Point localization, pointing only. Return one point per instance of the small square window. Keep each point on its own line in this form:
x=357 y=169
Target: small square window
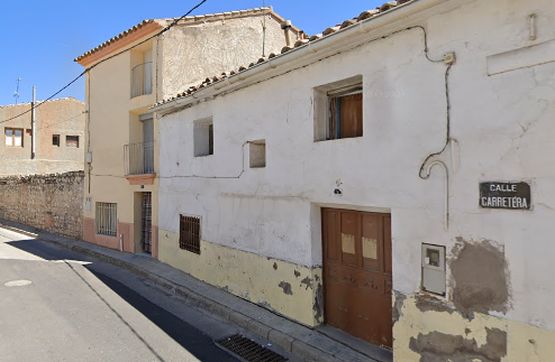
x=204 y=137
x=189 y=233
x=338 y=110
x=72 y=141
x=56 y=140
x=257 y=154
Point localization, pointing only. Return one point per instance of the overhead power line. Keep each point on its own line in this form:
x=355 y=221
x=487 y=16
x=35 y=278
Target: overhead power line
x=165 y=29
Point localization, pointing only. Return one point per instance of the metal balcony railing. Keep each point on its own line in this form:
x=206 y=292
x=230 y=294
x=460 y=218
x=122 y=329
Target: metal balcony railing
x=141 y=79
x=139 y=158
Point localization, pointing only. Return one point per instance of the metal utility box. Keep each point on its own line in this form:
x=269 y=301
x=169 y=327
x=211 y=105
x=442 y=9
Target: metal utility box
x=433 y=268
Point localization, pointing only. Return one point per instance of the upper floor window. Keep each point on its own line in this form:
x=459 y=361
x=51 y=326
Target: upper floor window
x=339 y=110
x=14 y=137
x=72 y=141
x=56 y=140
x=141 y=73
x=204 y=137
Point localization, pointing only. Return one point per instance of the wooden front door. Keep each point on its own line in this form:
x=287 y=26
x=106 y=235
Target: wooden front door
x=357 y=273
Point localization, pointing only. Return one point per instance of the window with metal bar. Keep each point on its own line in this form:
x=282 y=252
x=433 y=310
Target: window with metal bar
x=189 y=233
x=106 y=218
x=345 y=120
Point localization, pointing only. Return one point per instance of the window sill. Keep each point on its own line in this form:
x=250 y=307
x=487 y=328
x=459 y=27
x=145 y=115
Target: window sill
x=339 y=139
x=140 y=95
x=107 y=236
x=145 y=179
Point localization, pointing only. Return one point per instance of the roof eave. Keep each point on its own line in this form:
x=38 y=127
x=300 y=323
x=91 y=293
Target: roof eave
x=342 y=39
x=121 y=41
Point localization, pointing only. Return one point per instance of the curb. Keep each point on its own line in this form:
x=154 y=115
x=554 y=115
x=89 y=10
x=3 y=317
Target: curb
x=290 y=344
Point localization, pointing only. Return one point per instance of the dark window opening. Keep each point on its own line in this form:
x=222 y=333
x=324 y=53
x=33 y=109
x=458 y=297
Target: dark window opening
x=56 y=140
x=72 y=141
x=345 y=114
x=189 y=233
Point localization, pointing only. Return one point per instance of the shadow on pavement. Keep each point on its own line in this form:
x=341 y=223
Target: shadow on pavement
x=189 y=337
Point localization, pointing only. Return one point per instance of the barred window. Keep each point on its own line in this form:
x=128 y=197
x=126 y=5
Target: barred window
x=106 y=218
x=189 y=233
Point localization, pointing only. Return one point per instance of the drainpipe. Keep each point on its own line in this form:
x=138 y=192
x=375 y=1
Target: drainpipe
x=286 y=27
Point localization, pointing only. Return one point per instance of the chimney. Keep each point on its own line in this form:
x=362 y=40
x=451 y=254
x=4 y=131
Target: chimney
x=286 y=27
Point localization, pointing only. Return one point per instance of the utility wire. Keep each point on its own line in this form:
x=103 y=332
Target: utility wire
x=173 y=23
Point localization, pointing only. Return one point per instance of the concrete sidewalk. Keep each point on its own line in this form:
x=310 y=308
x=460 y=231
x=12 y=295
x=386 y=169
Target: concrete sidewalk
x=302 y=342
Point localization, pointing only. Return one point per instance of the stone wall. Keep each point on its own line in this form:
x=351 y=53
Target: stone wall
x=49 y=202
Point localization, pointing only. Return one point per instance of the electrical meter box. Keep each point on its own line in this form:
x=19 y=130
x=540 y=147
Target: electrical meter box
x=433 y=268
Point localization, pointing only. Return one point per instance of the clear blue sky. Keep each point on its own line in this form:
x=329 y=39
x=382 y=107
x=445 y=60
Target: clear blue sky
x=40 y=38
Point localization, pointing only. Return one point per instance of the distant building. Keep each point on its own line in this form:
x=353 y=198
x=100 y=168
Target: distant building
x=129 y=74
x=391 y=177
x=60 y=143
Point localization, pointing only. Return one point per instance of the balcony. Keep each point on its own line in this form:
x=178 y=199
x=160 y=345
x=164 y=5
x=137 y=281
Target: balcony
x=139 y=163
x=141 y=79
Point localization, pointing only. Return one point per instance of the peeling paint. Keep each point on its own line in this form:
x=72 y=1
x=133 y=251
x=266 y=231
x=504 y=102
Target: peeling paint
x=479 y=278
x=318 y=306
x=307 y=282
x=427 y=303
x=286 y=287
x=437 y=346
x=397 y=307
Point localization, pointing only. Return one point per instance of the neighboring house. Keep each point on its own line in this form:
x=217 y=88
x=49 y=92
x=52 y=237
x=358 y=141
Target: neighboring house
x=127 y=75
x=60 y=127
x=391 y=177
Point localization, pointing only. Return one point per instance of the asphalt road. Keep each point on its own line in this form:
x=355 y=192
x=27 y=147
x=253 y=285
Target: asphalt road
x=56 y=305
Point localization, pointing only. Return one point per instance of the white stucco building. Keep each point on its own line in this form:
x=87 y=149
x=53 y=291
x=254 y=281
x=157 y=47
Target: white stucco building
x=391 y=177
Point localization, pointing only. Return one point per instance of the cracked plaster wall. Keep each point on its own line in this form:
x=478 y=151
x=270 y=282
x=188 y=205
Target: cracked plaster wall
x=191 y=53
x=504 y=129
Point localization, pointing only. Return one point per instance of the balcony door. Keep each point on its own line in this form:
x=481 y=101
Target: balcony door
x=148 y=142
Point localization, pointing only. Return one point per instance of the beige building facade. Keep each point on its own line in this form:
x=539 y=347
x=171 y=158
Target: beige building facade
x=126 y=76
x=60 y=129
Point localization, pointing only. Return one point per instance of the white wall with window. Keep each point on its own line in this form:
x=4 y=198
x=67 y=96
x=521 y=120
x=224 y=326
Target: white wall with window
x=501 y=125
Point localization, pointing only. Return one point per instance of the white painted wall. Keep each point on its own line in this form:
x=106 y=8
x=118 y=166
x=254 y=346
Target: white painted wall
x=503 y=125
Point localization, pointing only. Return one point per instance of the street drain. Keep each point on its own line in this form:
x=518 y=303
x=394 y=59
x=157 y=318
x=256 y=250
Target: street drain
x=17 y=283
x=248 y=350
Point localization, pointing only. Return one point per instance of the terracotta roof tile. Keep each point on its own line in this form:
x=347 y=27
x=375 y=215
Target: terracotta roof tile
x=304 y=41
x=115 y=38
x=188 y=19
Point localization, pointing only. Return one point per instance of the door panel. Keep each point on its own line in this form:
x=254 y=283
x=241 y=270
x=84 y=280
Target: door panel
x=357 y=285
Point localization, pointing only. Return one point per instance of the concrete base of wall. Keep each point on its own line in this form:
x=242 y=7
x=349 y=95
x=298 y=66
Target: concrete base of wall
x=294 y=291
x=124 y=241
